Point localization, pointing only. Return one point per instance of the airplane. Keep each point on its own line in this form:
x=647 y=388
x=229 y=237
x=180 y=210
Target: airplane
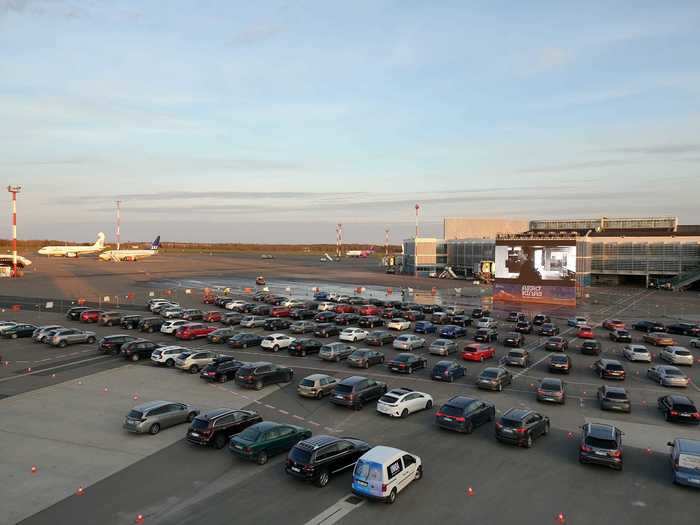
x=130 y=255
x=74 y=251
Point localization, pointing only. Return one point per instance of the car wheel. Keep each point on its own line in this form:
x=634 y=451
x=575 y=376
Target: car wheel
x=170 y=363
x=404 y=413
x=429 y=405
x=366 y=364
x=155 y=428
x=258 y=385
x=666 y=416
x=303 y=353
x=62 y=344
x=528 y=443
x=337 y=359
x=135 y=357
x=323 y=478
x=319 y=394
x=451 y=379
x=419 y=473
x=392 y=497
x=276 y=348
x=410 y=370
x=500 y=387
x=221 y=378
x=150 y=330
x=469 y=427
x=481 y=359
x=14 y=336
x=220 y=441
x=546 y=429
x=194 y=369
x=262 y=458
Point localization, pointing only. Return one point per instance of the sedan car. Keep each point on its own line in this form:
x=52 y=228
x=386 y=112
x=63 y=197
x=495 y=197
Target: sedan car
x=442 y=347
x=552 y=390
x=601 y=444
x=676 y=355
x=244 y=340
x=636 y=353
x=364 y=358
x=447 y=371
x=464 y=414
x=614 y=398
x=560 y=363
x=690 y=329
x=658 y=339
x=478 y=352
x=379 y=338
x=346 y=319
x=316 y=386
x=494 y=378
x=557 y=344
x=452 y=331
x=548 y=329
x=370 y=321
x=609 y=369
x=408 y=342
x=680 y=409
x=521 y=426
x=261 y=441
x=518 y=357
x=485 y=335
x=513 y=339
x=667 y=375
x=591 y=347
x=336 y=351
x=302 y=347
x=400 y=402
x=576 y=321
x=399 y=324
x=407 y=363
x=325 y=316
x=153 y=416
x=424 y=327
x=353 y=334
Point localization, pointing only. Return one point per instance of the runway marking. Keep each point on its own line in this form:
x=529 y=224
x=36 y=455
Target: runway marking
x=33 y=372
x=336 y=512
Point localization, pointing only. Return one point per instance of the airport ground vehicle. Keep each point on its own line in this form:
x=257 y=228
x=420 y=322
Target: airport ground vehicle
x=601 y=444
x=316 y=385
x=261 y=374
x=265 y=439
x=521 y=426
x=609 y=369
x=112 y=344
x=408 y=342
x=679 y=409
x=614 y=398
x=552 y=390
x=216 y=427
x=478 y=352
x=276 y=342
x=400 y=402
x=71 y=336
x=194 y=361
x=364 y=358
x=494 y=378
x=464 y=414
x=442 y=347
x=685 y=462
x=676 y=355
x=139 y=349
x=560 y=363
x=667 y=375
x=406 y=363
x=222 y=369
x=355 y=391
x=318 y=458
x=447 y=371
x=383 y=472
x=154 y=416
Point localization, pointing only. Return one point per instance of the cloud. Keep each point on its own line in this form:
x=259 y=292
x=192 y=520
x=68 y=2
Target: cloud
x=255 y=34
x=661 y=149
x=573 y=166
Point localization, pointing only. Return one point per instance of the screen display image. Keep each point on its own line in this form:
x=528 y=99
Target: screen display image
x=531 y=264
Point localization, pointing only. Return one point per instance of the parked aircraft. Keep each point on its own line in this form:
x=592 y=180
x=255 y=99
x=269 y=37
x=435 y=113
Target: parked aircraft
x=75 y=251
x=130 y=255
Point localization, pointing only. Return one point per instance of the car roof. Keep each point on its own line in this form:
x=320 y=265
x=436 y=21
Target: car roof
x=400 y=391
x=616 y=389
x=607 y=361
x=517 y=414
x=317 y=376
x=680 y=399
x=551 y=381
x=216 y=412
x=256 y=364
x=316 y=442
x=445 y=363
x=382 y=454
x=460 y=401
x=151 y=404
x=352 y=380
x=688 y=445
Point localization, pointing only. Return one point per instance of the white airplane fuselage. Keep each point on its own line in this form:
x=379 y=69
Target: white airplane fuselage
x=126 y=255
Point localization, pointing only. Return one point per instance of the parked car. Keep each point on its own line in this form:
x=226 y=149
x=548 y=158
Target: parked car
x=326 y=330
x=346 y=319
x=424 y=327
x=253 y=321
x=190 y=331
x=216 y=427
x=392 y=313
x=486 y=335
x=244 y=340
x=447 y=371
x=513 y=317
x=442 y=347
x=317 y=458
x=478 y=313
x=552 y=390
x=494 y=378
x=440 y=318
x=90 y=316
x=560 y=363
x=355 y=391
x=379 y=338
x=262 y=440
x=400 y=402
x=478 y=352
x=541 y=319
x=353 y=334
x=689 y=329
x=591 y=347
x=213 y=316
x=336 y=351
x=369 y=310
x=487 y=322
x=222 y=369
x=521 y=426
x=523 y=327
x=112 y=344
x=408 y=342
x=513 y=339
x=302 y=347
x=261 y=374
x=130 y=322
x=585 y=332
x=577 y=321
x=276 y=323
x=193 y=314
x=221 y=335
x=110 y=318
x=325 y=317
x=464 y=414
x=166 y=355
x=685 y=461
x=316 y=385
x=676 y=355
x=667 y=375
x=154 y=416
x=461 y=320
x=43 y=334
x=636 y=353
x=370 y=321
x=276 y=342
x=613 y=324
x=383 y=472
x=364 y=358
x=71 y=336
x=171 y=312
x=150 y=324
x=601 y=444
x=406 y=363
x=557 y=344
x=609 y=369
x=695 y=343
x=194 y=361
x=548 y=329
x=614 y=398
x=518 y=357
x=399 y=324
x=658 y=339
x=452 y=331
x=649 y=326
x=19 y=330
x=620 y=335
x=680 y=409
x=74 y=312
x=170 y=327
x=302 y=314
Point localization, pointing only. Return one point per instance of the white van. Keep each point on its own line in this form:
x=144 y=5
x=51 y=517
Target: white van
x=383 y=472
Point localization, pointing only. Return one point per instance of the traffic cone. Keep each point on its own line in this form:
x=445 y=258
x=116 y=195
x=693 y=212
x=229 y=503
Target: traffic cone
x=80 y=491
x=34 y=469
x=561 y=518
x=139 y=518
x=470 y=491
x=135 y=397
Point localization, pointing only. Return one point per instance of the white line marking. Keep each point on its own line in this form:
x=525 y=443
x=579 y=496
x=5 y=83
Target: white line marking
x=270 y=406
x=335 y=512
x=314 y=423
x=283 y=412
x=2 y=380
x=297 y=417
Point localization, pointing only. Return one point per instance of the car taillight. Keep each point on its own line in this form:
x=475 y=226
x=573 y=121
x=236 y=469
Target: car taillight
x=307 y=468
x=521 y=430
x=384 y=487
x=440 y=414
x=696 y=415
x=586 y=448
x=615 y=453
x=674 y=412
x=460 y=419
x=447 y=373
x=402 y=366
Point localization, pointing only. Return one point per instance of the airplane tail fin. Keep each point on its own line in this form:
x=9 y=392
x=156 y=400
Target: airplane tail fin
x=100 y=242
x=156 y=243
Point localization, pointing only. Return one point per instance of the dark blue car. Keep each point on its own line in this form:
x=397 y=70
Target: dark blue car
x=321 y=296
x=452 y=331
x=424 y=327
x=447 y=371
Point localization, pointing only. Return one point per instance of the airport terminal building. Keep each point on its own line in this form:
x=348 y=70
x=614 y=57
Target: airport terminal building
x=644 y=250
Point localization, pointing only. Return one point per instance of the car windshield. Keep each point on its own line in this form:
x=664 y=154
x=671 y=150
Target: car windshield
x=389 y=399
x=452 y=410
x=616 y=395
x=608 y=444
x=682 y=407
x=623 y=332
x=250 y=434
x=200 y=424
x=135 y=414
x=244 y=371
x=440 y=342
x=343 y=389
x=359 y=353
x=402 y=358
x=682 y=352
x=471 y=348
x=489 y=374
x=299 y=455
x=510 y=423
x=515 y=354
x=551 y=386
x=307 y=382
x=672 y=372
x=559 y=359
x=641 y=350
x=615 y=367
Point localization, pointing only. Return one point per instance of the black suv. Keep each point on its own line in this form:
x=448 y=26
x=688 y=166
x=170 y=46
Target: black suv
x=679 y=408
x=524 y=327
x=216 y=427
x=130 y=322
x=464 y=414
x=74 y=313
x=244 y=340
x=317 y=458
x=151 y=324
x=301 y=347
x=649 y=326
x=514 y=339
x=521 y=426
x=302 y=314
x=407 y=363
x=355 y=391
x=257 y=375
x=326 y=330
x=222 y=369
x=276 y=323
x=112 y=344
x=601 y=444
x=346 y=319
x=139 y=349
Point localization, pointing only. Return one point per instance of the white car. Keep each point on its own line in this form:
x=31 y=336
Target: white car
x=233 y=305
x=399 y=324
x=383 y=472
x=167 y=355
x=293 y=303
x=162 y=305
x=695 y=343
x=6 y=325
x=577 y=321
x=401 y=402
x=276 y=342
x=487 y=322
x=676 y=355
x=326 y=306
x=636 y=353
x=408 y=342
x=170 y=327
x=353 y=334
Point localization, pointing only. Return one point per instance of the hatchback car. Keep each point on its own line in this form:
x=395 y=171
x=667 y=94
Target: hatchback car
x=355 y=391
x=620 y=336
x=680 y=409
x=585 y=332
x=221 y=335
x=364 y=358
x=399 y=324
x=316 y=386
x=494 y=378
x=407 y=363
x=424 y=327
x=518 y=357
x=166 y=355
x=614 y=398
x=400 y=402
x=636 y=353
x=548 y=329
x=464 y=414
x=513 y=339
x=447 y=371
x=676 y=355
x=262 y=440
x=408 y=342
x=658 y=339
x=552 y=390
x=613 y=324
x=154 y=416
x=486 y=335
x=557 y=344
x=192 y=331
x=521 y=426
x=452 y=331
x=170 y=327
x=379 y=338
x=216 y=427
x=442 y=347
x=667 y=375
x=478 y=352
x=276 y=342
x=601 y=444
x=591 y=347
x=318 y=458
x=560 y=363
x=609 y=369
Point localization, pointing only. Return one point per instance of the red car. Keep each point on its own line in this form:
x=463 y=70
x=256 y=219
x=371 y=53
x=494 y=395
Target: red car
x=613 y=324
x=193 y=331
x=585 y=332
x=90 y=316
x=369 y=309
x=392 y=313
x=280 y=311
x=209 y=299
x=343 y=309
x=478 y=352
x=213 y=317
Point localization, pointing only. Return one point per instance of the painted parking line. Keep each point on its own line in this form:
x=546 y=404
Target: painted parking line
x=337 y=511
x=57 y=367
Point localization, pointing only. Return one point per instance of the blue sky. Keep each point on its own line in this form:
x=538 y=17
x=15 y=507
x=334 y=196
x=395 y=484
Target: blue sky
x=230 y=121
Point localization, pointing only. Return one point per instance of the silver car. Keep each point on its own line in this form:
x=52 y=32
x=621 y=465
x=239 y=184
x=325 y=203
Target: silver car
x=335 y=351
x=636 y=353
x=408 y=342
x=153 y=416
x=302 y=327
x=442 y=347
x=253 y=321
x=487 y=322
x=667 y=375
x=516 y=357
x=172 y=313
x=677 y=355
x=71 y=336
x=43 y=333
x=194 y=361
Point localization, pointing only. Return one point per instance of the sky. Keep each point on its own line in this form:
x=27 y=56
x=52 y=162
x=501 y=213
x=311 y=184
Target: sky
x=274 y=121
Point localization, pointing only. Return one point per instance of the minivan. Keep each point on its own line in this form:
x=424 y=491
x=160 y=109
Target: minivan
x=685 y=461
x=383 y=472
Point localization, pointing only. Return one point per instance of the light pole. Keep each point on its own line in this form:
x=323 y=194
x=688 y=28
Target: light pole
x=119 y=222
x=14 y=190
x=417 y=209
